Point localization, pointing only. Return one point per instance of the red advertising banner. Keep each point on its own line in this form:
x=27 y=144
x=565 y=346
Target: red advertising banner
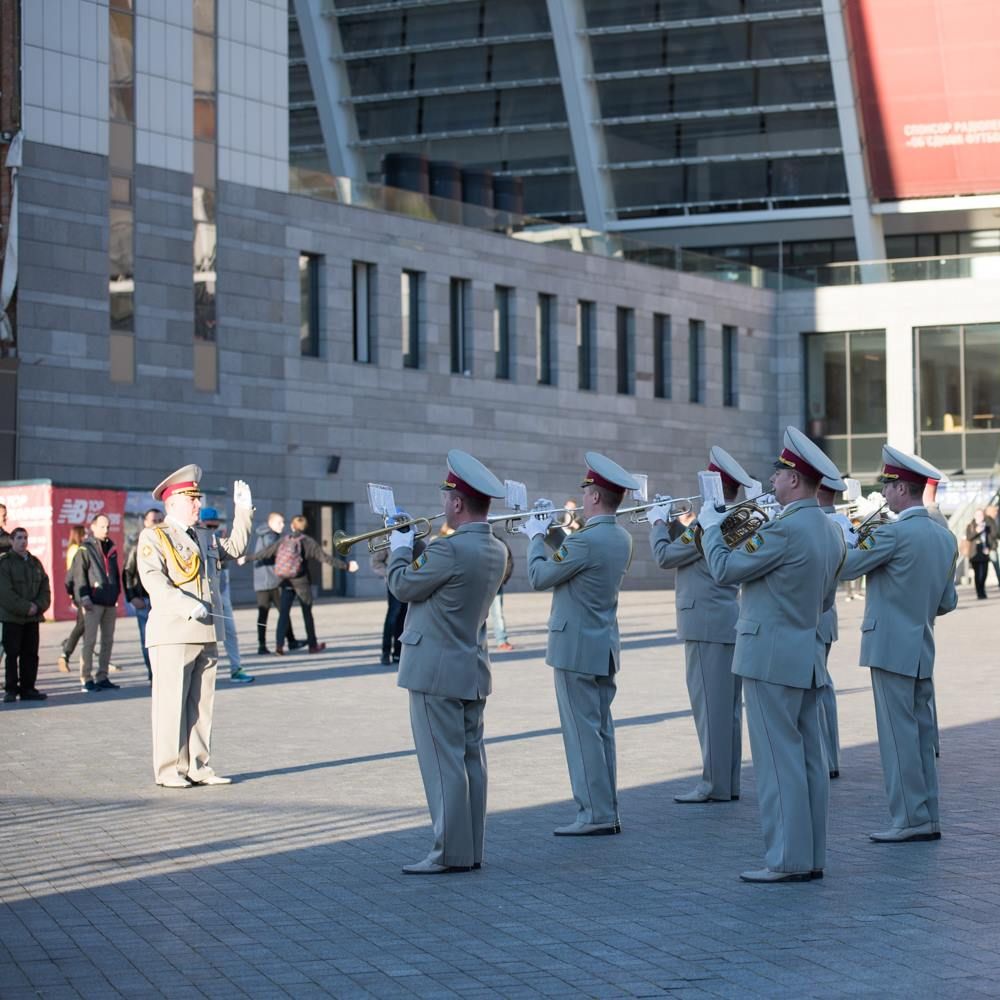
x=48 y=512
x=929 y=91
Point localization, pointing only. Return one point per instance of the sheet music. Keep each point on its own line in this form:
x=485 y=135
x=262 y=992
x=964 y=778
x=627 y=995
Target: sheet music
x=381 y=499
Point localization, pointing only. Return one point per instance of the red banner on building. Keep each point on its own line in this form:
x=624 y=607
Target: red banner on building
x=48 y=512
x=929 y=90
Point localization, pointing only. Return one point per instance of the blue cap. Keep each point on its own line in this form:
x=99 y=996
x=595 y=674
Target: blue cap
x=209 y=514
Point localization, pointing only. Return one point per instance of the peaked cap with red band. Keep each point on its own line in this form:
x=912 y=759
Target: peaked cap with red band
x=601 y=471
x=186 y=480
x=733 y=474
x=467 y=475
x=802 y=455
x=899 y=466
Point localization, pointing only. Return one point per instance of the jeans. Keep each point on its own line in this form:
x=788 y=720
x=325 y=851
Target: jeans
x=230 y=640
x=497 y=622
x=392 y=627
x=290 y=590
x=142 y=616
x=20 y=644
x=266 y=599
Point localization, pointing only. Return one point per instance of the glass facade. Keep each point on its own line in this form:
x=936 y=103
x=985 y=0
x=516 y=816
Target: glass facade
x=958 y=396
x=722 y=105
x=846 y=397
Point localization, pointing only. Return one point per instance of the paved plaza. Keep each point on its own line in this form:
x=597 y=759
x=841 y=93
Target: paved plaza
x=288 y=882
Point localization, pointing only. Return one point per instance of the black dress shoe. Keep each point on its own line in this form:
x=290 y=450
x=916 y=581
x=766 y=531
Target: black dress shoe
x=33 y=695
x=107 y=685
x=263 y=651
x=385 y=661
x=815 y=874
x=477 y=865
x=9 y=697
x=834 y=774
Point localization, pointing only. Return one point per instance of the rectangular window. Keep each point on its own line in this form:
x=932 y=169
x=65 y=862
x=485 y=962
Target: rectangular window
x=364 y=311
x=411 y=291
x=461 y=333
x=845 y=397
x=309 y=272
x=503 y=305
x=625 y=340
x=544 y=328
x=586 y=337
x=958 y=396
x=662 y=356
x=696 y=361
x=729 y=377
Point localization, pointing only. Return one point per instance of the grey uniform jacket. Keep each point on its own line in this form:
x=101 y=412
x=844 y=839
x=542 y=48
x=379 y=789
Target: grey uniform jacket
x=910 y=564
x=179 y=575
x=789 y=576
x=587 y=571
x=828 y=632
x=449 y=588
x=706 y=610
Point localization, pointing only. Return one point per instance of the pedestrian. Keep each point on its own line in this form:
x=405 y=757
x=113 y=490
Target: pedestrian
x=97 y=584
x=77 y=533
x=395 y=612
x=788 y=571
x=135 y=592
x=497 y=621
x=25 y=596
x=909 y=563
x=584 y=649
x=707 y=613
x=185 y=626
x=213 y=536
x=446 y=664
x=981 y=534
x=291 y=566
x=267 y=585
x=6 y=543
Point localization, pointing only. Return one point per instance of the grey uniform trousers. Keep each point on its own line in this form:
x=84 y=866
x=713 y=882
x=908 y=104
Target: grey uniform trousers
x=183 y=704
x=793 y=784
x=448 y=736
x=906 y=744
x=828 y=721
x=589 y=740
x=716 y=695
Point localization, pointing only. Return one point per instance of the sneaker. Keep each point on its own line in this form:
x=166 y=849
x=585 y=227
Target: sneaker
x=107 y=685
x=505 y=647
x=240 y=677
x=63 y=663
x=114 y=668
x=88 y=686
x=9 y=697
x=318 y=648
x=296 y=643
x=263 y=651
x=33 y=695
x=395 y=659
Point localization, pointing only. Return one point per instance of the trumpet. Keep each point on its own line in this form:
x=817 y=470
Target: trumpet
x=512 y=520
x=871 y=522
x=743 y=520
x=639 y=514
x=378 y=538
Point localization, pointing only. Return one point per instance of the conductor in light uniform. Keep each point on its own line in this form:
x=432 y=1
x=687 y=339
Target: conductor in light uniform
x=910 y=565
x=586 y=572
x=179 y=567
x=445 y=663
x=706 y=620
x=788 y=570
x=826 y=496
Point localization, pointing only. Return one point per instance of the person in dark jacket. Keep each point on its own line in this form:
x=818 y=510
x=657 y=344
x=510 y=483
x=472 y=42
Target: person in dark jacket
x=25 y=595
x=266 y=584
x=299 y=586
x=97 y=585
x=135 y=592
x=5 y=538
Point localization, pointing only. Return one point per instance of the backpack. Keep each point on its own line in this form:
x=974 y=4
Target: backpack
x=288 y=558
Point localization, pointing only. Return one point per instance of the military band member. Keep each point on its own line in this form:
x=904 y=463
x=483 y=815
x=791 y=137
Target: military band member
x=826 y=497
x=181 y=575
x=445 y=664
x=586 y=572
x=788 y=570
x=706 y=621
x=910 y=565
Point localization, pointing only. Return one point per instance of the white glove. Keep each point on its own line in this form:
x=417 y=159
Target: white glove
x=540 y=522
x=400 y=539
x=708 y=515
x=241 y=494
x=661 y=512
x=200 y=613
